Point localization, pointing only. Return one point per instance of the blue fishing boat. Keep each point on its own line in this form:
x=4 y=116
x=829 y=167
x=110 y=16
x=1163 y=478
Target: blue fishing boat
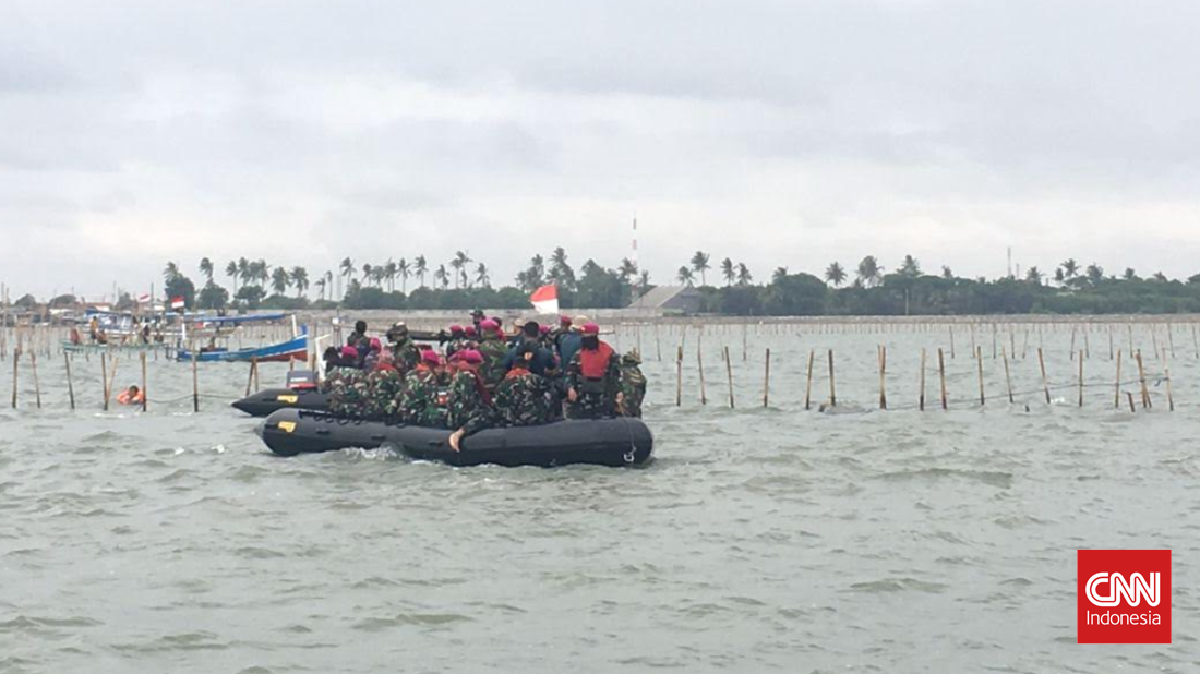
x=295 y=348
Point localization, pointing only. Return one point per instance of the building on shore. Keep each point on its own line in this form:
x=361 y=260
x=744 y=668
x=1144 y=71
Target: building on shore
x=668 y=300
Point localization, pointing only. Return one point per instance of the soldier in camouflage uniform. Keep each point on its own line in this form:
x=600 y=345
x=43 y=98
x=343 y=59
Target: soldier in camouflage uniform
x=406 y=353
x=349 y=395
x=470 y=403
x=493 y=349
x=524 y=398
x=386 y=384
x=417 y=402
x=633 y=385
x=593 y=378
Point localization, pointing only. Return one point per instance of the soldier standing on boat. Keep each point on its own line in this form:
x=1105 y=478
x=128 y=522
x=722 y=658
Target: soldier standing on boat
x=593 y=377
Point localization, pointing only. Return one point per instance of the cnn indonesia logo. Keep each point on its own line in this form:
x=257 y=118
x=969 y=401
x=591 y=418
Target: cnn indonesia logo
x=1124 y=596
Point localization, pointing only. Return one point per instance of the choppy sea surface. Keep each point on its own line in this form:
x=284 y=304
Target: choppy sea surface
x=760 y=539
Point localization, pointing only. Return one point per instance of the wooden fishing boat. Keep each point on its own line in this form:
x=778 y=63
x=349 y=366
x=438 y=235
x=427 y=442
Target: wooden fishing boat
x=295 y=348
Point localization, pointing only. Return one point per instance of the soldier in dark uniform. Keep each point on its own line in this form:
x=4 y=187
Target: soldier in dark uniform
x=524 y=398
x=407 y=353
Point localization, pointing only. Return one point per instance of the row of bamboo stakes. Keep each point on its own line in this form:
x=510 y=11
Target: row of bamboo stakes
x=921 y=400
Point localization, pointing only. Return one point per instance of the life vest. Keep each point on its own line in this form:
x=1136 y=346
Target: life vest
x=593 y=363
x=514 y=373
x=125 y=399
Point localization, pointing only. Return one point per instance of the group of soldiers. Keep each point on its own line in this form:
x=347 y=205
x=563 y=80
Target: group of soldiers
x=484 y=378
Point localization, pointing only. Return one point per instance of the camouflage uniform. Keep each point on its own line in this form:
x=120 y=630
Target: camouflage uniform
x=349 y=395
x=594 y=399
x=493 y=350
x=419 y=394
x=468 y=409
x=407 y=354
x=334 y=376
x=633 y=385
x=385 y=387
x=524 y=399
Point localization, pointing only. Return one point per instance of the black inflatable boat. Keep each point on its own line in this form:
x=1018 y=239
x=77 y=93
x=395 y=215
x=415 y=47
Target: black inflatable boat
x=269 y=400
x=605 y=442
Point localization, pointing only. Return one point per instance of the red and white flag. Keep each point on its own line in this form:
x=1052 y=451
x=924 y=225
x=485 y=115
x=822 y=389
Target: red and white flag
x=176 y=302
x=143 y=298
x=545 y=299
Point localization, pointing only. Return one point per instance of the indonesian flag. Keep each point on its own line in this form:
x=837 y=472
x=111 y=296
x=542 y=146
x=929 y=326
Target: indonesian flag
x=545 y=299
x=143 y=298
x=176 y=302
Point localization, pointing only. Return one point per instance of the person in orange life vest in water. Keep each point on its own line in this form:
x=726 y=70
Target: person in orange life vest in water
x=593 y=377
x=131 y=396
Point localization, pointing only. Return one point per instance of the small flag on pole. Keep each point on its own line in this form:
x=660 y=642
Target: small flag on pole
x=545 y=299
x=176 y=302
x=143 y=298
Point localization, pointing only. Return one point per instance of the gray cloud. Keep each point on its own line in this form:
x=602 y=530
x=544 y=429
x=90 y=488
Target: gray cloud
x=778 y=132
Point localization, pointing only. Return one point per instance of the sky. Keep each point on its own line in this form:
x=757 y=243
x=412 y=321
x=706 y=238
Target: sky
x=778 y=133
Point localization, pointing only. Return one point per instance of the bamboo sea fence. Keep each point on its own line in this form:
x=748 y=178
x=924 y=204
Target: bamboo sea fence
x=1116 y=363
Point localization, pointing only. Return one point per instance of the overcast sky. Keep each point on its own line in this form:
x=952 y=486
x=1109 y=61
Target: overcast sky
x=775 y=132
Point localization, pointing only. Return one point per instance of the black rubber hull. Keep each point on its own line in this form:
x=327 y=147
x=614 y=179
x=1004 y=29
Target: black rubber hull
x=604 y=442
x=265 y=402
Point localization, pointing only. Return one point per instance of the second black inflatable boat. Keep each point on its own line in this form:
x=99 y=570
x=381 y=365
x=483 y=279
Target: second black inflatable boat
x=605 y=442
x=269 y=400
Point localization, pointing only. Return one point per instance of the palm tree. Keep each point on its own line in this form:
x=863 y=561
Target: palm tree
x=328 y=281
x=627 y=270
x=685 y=276
x=367 y=268
x=231 y=270
x=1034 y=276
x=644 y=281
x=946 y=273
x=244 y=270
x=700 y=266
x=869 y=271
x=441 y=276
x=835 y=274
x=743 y=274
x=1130 y=274
x=1095 y=274
x=207 y=268
x=727 y=271
x=171 y=271
x=460 y=262
x=320 y=283
x=347 y=270
x=420 y=268
x=403 y=271
x=910 y=266
x=280 y=280
x=1070 y=268
x=262 y=273
x=299 y=277
x=560 y=271
x=389 y=272
x=482 y=276
x=779 y=274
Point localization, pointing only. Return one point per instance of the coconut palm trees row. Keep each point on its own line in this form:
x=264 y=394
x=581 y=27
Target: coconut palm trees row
x=380 y=275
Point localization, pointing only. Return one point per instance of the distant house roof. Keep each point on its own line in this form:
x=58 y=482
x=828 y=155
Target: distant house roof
x=684 y=299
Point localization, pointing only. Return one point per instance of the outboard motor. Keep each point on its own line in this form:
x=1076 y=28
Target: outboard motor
x=302 y=380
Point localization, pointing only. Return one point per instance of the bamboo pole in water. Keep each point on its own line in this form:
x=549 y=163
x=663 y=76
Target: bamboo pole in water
x=1171 y=339
x=70 y=384
x=195 y=385
x=112 y=377
x=729 y=376
x=942 y=378
x=832 y=386
x=145 y=395
x=250 y=375
x=1142 y=379
x=979 y=366
x=921 y=399
x=104 y=377
x=882 y=354
x=37 y=389
x=679 y=377
x=808 y=385
x=700 y=370
x=1129 y=395
x=1117 y=384
x=951 y=341
x=1007 y=376
x=1072 y=349
x=1170 y=395
x=1110 y=349
x=767 y=379
x=1045 y=382
x=1087 y=343
x=16 y=357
